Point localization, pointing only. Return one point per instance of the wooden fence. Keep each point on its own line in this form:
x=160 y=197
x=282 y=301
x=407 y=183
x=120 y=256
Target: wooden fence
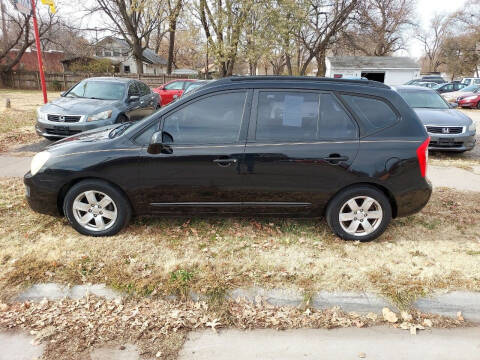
x=63 y=81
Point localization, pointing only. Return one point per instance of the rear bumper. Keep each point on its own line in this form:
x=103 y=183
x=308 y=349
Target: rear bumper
x=41 y=195
x=412 y=201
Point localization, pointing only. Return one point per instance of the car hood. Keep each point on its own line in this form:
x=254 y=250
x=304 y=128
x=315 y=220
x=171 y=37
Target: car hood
x=455 y=94
x=78 y=106
x=86 y=140
x=443 y=117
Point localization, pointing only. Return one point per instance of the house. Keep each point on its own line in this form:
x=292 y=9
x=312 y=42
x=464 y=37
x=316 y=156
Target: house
x=120 y=53
x=391 y=70
x=29 y=62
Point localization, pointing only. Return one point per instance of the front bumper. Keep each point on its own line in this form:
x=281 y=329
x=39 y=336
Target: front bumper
x=54 y=129
x=460 y=142
x=41 y=195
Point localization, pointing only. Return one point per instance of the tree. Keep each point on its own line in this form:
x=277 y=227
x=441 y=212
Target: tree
x=19 y=35
x=133 y=20
x=223 y=21
x=460 y=55
x=173 y=14
x=433 y=40
x=323 y=20
x=379 y=26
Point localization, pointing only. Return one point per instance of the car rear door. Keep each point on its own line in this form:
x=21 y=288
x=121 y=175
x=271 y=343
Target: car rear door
x=299 y=149
x=199 y=172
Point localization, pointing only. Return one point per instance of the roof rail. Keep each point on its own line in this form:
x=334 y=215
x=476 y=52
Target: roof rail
x=304 y=78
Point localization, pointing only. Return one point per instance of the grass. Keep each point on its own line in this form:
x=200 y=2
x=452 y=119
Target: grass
x=17 y=123
x=155 y=257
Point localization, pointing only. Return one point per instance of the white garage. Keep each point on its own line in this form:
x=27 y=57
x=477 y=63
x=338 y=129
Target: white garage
x=391 y=70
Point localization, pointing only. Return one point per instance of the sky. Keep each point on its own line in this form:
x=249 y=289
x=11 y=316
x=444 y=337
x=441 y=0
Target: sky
x=426 y=9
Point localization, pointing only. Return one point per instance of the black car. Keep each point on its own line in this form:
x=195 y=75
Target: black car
x=94 y=103
x=449 y=87
x=351 y=150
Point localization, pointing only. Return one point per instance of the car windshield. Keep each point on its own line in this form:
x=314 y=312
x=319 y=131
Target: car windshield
x=424 y=99
x=102 y=90
x=471 y=88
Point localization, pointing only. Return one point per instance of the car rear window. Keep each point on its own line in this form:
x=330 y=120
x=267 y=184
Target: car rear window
x=374 y=114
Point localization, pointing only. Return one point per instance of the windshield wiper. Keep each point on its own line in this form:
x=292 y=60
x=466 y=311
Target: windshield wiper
x=119 y=129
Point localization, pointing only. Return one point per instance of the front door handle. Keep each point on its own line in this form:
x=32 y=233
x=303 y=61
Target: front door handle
x=335 y=158
x=225 y=162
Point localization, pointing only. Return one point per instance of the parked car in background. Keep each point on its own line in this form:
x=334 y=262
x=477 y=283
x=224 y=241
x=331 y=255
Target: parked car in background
x=449 y=87
x=172 y=90
x=434 y=78
x=350 y=150
x=470 y=81
x=421 y=82
x=453 y=97
x=427 y=84
x=94 y=103
x=469 y=101
x=449 y=129
x=195 y=85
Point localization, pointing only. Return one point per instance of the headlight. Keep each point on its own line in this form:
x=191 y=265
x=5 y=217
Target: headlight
x=38 y=161
x=40 y=114
x=470 y=98
x=100 y=116
x=472 y=127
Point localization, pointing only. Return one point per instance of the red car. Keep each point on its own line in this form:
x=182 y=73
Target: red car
x=469 y=101
x=171 y=90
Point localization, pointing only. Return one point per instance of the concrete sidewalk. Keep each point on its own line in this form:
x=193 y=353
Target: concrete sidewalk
x=337 y=344
x=14 y=166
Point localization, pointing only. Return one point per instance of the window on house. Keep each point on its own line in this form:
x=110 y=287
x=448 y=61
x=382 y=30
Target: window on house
x=116 y=53
x=107 y=53
x=99 y=53
x=126 y=68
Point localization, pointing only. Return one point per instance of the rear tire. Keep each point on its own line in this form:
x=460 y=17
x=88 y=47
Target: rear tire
x=478 y=105
x=96 y=208
x=359 y=213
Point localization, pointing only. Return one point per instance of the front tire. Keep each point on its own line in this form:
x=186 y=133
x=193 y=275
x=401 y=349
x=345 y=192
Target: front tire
x=359 y=213
x=96 y=208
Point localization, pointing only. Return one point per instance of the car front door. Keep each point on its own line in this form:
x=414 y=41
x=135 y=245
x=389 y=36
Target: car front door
x=134 y=110
x=300 y=145
x=199 y=170
x=170 y=91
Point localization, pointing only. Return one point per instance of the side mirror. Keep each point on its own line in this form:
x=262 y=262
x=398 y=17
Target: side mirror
x=157 y=146
x=133 y=98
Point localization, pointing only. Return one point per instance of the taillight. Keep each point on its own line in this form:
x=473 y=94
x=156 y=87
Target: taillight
x=422 y=156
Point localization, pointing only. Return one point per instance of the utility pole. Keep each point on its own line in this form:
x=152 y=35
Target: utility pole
x=4 y=26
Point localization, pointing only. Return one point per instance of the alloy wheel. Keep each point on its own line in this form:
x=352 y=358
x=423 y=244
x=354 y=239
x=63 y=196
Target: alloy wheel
x=94 y=210
x=360 y=216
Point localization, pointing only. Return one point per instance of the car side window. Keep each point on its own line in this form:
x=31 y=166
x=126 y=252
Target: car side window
x=144 y=137
x=176 y=85
x=212 y=120
x=374 y=114
x=133 y=90
x=283 y=115
x=334 y=123
x=144 y=89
